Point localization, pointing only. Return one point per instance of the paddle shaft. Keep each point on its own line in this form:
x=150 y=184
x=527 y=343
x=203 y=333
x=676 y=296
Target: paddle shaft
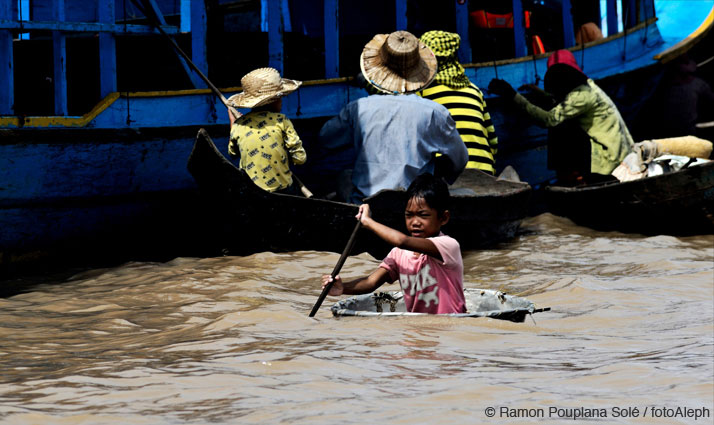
x=337 y=269
x=188 y=60
x=305 y=191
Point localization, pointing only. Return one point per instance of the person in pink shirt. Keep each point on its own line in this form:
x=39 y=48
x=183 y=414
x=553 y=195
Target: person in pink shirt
x=427 y=264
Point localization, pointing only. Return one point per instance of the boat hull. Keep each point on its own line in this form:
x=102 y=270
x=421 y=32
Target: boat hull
x=487 y=211
x=79 y=196
x=678 y=203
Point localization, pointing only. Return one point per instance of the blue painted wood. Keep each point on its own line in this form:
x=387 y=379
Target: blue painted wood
x=332 y=38
x=24 y=15
x=85 y=27
x=275 y=35
x=7 y=84
x=185 y=16
x=400 y=10
x=59 y=51
x=612 y=20
x=462 y=28
x=568 y=32
x=519 y=30
x=107 y=50
x=157 y=11
x=195 y=79
x=199 y=56
x=35 y=172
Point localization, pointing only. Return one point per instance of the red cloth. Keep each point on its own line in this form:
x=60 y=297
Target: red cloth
x=565 y=57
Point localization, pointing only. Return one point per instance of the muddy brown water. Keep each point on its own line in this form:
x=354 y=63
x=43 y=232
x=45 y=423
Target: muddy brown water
x=227 y=340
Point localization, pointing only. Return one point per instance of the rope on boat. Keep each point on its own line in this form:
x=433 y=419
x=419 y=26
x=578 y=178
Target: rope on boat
x=535 y=69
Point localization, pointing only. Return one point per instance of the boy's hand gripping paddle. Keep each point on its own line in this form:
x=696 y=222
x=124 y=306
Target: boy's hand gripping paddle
x=338 y=266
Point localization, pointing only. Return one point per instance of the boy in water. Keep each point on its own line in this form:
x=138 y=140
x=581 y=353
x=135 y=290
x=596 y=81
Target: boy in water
x=427 y=264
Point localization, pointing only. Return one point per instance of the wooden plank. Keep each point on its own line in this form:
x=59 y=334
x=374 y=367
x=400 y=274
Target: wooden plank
x=612 y=21
x=199 y=57
x=85 y=27
x=332 y=38
x=157 y=11
x=462 y=28
x=185 y=15
x=519 y=30
x=568 y=32
x=7 y=84
x=275 y=35
x=400 y=9
x=59 y=51
x=107 y=51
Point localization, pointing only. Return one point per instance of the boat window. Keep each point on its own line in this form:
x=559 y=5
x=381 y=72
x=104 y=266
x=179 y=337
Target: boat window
x=492 y=28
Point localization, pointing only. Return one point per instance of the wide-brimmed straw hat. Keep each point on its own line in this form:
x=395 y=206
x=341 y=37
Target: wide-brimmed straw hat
x=261 y=87
x=398 y=63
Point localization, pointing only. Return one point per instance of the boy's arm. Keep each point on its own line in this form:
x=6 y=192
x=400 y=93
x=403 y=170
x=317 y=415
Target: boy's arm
x=293 y=144
x=363 y=285
x=397 y=238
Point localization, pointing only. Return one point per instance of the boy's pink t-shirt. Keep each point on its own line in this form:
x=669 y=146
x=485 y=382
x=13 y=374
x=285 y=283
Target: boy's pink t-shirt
x=430 y=285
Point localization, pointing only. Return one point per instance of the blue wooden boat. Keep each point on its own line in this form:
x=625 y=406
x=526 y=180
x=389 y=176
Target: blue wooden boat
x=98 y=114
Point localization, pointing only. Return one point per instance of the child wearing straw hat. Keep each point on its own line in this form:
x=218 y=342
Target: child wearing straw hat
x=397 y=135
x=264 y=139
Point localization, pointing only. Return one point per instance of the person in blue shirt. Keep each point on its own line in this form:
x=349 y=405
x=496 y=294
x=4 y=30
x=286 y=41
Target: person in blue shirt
x=396 y=135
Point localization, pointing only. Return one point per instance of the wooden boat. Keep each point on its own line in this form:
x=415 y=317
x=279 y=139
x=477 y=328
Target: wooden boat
x=120 y=102
x=677 y=203
x=479 y=303
x=485 y=210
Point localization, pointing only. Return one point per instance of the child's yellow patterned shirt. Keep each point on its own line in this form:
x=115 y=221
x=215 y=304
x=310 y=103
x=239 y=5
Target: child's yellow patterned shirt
x=265 y=141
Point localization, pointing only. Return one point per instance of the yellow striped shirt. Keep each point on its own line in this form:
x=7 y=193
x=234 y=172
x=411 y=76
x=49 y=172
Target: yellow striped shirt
x=473 y=122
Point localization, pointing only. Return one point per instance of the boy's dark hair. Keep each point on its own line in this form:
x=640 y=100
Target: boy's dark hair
x=432 y=189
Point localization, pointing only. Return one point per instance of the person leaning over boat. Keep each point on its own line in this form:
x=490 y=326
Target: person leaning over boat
x=453 y=89
x=396 y=134
x=590 y=150
x=264 y=139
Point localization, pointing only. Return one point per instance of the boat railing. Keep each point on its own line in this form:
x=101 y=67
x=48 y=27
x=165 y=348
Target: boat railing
x=114 y=37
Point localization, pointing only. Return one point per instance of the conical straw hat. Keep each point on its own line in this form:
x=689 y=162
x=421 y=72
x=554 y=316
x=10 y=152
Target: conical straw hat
x=261 y=87
x=398 y=63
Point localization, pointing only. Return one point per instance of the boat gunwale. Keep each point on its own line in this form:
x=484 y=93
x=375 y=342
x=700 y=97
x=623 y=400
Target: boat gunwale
x=575 y=48
x=632 y=183
x=513 y=314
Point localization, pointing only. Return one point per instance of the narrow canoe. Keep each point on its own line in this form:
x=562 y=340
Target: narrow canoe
x=676 y=203
x=479 y=303
x=243 y=218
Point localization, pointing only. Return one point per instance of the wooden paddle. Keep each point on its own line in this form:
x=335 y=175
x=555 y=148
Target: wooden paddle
x=338 y=266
